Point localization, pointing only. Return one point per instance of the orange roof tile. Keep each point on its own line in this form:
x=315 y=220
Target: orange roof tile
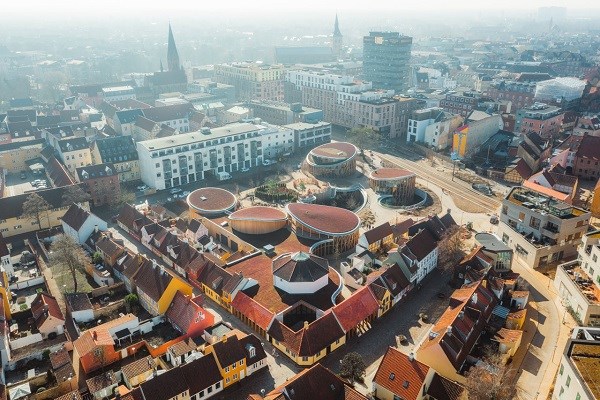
x=401 y=375
x=252 y=310
x=508 y=335
x=356 y=308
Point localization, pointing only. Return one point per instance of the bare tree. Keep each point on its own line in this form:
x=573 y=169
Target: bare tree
x=67 y=254
x=363 y=137
x=74 y=194
x=450 y=248
x=125 y=197
x=34 y=207
x=490 y=380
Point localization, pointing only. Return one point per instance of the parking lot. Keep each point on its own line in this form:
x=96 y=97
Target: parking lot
x=19 y=183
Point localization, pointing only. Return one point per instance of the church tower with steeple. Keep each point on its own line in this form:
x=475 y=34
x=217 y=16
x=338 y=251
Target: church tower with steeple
x=172 y=54
x=337 y=41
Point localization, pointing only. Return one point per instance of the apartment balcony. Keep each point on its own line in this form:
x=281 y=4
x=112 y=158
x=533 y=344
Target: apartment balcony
x=551 y=232
x=582 y=282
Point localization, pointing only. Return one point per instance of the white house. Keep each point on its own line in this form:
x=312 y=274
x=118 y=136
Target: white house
x=5 y=262
x=80 y=306
x=80 y=223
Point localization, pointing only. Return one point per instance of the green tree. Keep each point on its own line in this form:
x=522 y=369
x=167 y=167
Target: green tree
x=66 y=254
x=34 y=207
x=353 y=367
x=363 y=137
x=131 y=302
x=97 y=258
x=74 y=194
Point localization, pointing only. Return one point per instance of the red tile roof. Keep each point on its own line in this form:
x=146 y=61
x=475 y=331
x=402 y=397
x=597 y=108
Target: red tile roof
x=378 y=233
x=331 y=220
x=252 y=310
x=589 y=147
x=356 y=308
x=401 y=375
x=44 y=306
x=182 y=312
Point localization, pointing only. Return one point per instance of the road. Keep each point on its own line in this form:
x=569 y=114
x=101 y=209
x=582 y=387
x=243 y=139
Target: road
x=456 y=188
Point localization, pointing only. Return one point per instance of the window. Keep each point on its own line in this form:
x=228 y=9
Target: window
x=226 y=369
x=562 y=368
x=521 y=216
x=227 y=380
x=568 y=381
x=218 y=385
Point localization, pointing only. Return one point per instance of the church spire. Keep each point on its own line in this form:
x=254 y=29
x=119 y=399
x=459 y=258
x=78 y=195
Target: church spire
x=172 y=54
x=336 y=27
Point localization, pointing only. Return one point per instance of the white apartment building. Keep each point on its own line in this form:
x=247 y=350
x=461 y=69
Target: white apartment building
x=433 y=126
x=577 y=377
x=310 y=135
x=541 y=230
x=118 y=93
x=578 y=281
x=252 y=80
x=190 y=157
x=349 y=102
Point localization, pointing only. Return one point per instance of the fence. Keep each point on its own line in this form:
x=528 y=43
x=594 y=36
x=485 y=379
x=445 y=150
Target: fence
x=38 y=280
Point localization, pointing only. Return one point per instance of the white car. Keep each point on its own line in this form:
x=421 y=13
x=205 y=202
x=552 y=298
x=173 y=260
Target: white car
x=245 y=169
x=174 y=190
x=185 y=194
x=266 y=163
x=142 y=188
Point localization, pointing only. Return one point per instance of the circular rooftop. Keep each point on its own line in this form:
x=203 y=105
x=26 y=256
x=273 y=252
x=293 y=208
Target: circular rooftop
x=333 y=221
x=390 y=173
x=491 y=242
x=334 y=152
x=211 y=200
x=258 y=213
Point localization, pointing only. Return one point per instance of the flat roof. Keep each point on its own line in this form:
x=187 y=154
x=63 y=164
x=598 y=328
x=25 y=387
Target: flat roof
x=390 y=173
x=335 y=150
x=195 y=137
x=259 y=213
x=306 y=125
x=211 y=200
x=491 y=242
x=326 y=219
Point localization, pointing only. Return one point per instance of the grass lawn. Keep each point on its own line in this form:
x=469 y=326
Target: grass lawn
x=64 y=280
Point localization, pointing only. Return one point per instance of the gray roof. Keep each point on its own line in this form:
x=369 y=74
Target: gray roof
x=117 y=149
x=128 y=116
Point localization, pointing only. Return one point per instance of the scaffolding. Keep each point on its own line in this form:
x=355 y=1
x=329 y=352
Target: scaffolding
x=566 y=89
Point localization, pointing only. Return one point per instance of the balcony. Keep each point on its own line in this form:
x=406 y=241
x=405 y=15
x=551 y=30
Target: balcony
x=582 y=281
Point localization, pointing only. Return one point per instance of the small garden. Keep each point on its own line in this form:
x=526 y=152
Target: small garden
x=346 y=200
x=273 y=191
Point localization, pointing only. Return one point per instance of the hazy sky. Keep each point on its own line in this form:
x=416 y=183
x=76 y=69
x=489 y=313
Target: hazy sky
x=73 y=7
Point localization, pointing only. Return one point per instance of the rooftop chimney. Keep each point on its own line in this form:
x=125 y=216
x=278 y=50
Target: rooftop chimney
x=305 y=324
x=411 y=356
x=224 y=339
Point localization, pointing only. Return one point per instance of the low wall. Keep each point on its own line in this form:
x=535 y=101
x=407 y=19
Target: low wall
x=38 y=280
x=108 y=309
x=101 y=291
x=25 y=341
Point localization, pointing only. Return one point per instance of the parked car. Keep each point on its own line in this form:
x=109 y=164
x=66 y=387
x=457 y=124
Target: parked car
x=174 y=190
x=245 y=169
x=185 y=194
x=142 y=187
x=494 y=219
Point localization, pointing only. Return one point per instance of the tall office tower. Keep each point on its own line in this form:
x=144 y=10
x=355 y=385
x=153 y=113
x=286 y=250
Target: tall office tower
x=386 y=58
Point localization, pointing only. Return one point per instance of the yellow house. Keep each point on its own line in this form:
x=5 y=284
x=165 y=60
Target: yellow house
x=310 y=343
x=516 y=320
x=156 y=287
x=6 y=296
x=595 y=207
x=12 y=221
x=459 y=141
x=383 y=296
x=230 y=357
x=14 y=156
x=119 y=151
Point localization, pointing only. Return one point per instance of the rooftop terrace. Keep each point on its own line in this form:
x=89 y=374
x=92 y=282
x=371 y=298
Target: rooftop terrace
x=533 y=200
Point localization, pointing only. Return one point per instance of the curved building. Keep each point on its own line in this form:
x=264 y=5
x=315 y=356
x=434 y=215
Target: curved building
x=319 y=222
x=300 y=273
x=258 y=220
x=397 y=182
x=332 y=159
x=210 y=202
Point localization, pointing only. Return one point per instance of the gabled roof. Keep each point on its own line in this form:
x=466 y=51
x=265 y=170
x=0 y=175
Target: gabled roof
x=116 y=149
x=252 y=310
x=72 y=144
x=214 y=277
x=97 y=171
x=378 y=233
x=109 y=246
x=356 y=308
x=308 y=341
x=76 y=216
x=145 y=123
x=153 y=280
x=165 y=386
x=169 y=113
x=43 y=307
x=251 y=341
x=316 y=382
x=128 y=215
x=401 y=374
x=128 y=116
x=79 y=301
x=228 y=351
x=422 y=244
x=183 y=311
x=201 y=373
x=441 y=388
x=58 y=173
